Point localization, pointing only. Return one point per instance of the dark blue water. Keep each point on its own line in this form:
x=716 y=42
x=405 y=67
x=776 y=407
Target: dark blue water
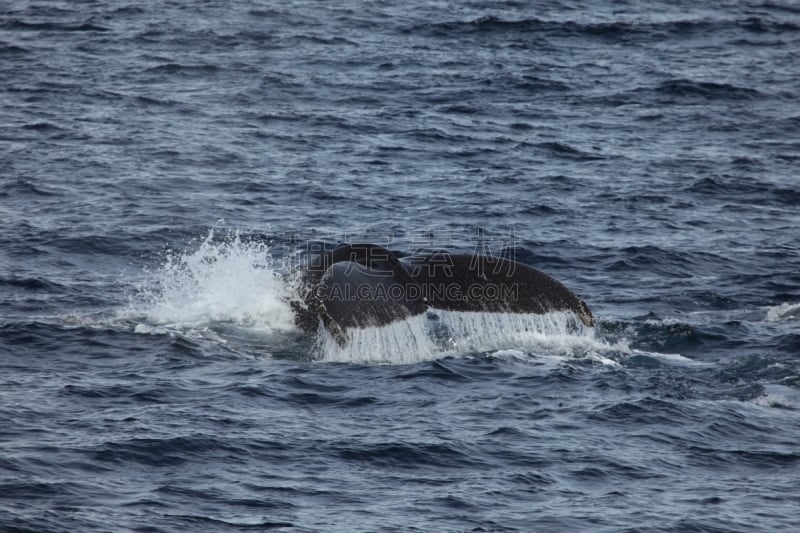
x=162 y=165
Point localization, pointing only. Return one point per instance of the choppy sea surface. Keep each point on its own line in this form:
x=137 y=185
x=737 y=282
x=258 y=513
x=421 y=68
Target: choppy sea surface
x=163 y=165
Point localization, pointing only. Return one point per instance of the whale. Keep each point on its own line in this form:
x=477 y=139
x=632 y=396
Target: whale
x=365 y=285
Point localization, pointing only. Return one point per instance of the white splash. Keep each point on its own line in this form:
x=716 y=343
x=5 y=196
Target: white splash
x=672 y=359
x=435 y=335
x=228 y=280
x=773 y=400
x=401 y=342
x=783 y=312
x=556 y=333
x=779 y=396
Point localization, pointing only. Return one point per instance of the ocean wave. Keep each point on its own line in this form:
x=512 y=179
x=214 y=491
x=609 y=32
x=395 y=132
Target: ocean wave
x=680 y=87
x=740 y=189
x=163 y=451
x=12 y=49
x=180 y=68
x=616 y=30
x=35 y=284
x=16 y=24
x=407 y=455
x=490 y=23
x=561 y=149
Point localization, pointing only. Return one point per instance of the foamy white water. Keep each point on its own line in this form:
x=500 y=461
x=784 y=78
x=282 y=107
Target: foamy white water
x=401 y=342
x=780 y=396
x=435 y=335
x=230 y=280
x=556 y=333
x=783 y=312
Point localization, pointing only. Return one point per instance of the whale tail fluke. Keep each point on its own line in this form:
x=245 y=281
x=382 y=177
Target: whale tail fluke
x=364 y=285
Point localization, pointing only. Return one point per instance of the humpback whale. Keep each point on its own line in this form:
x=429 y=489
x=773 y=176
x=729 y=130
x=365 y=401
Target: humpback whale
x=363 y=285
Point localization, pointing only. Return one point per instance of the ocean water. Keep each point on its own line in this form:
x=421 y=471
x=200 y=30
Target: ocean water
x=164 y=165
